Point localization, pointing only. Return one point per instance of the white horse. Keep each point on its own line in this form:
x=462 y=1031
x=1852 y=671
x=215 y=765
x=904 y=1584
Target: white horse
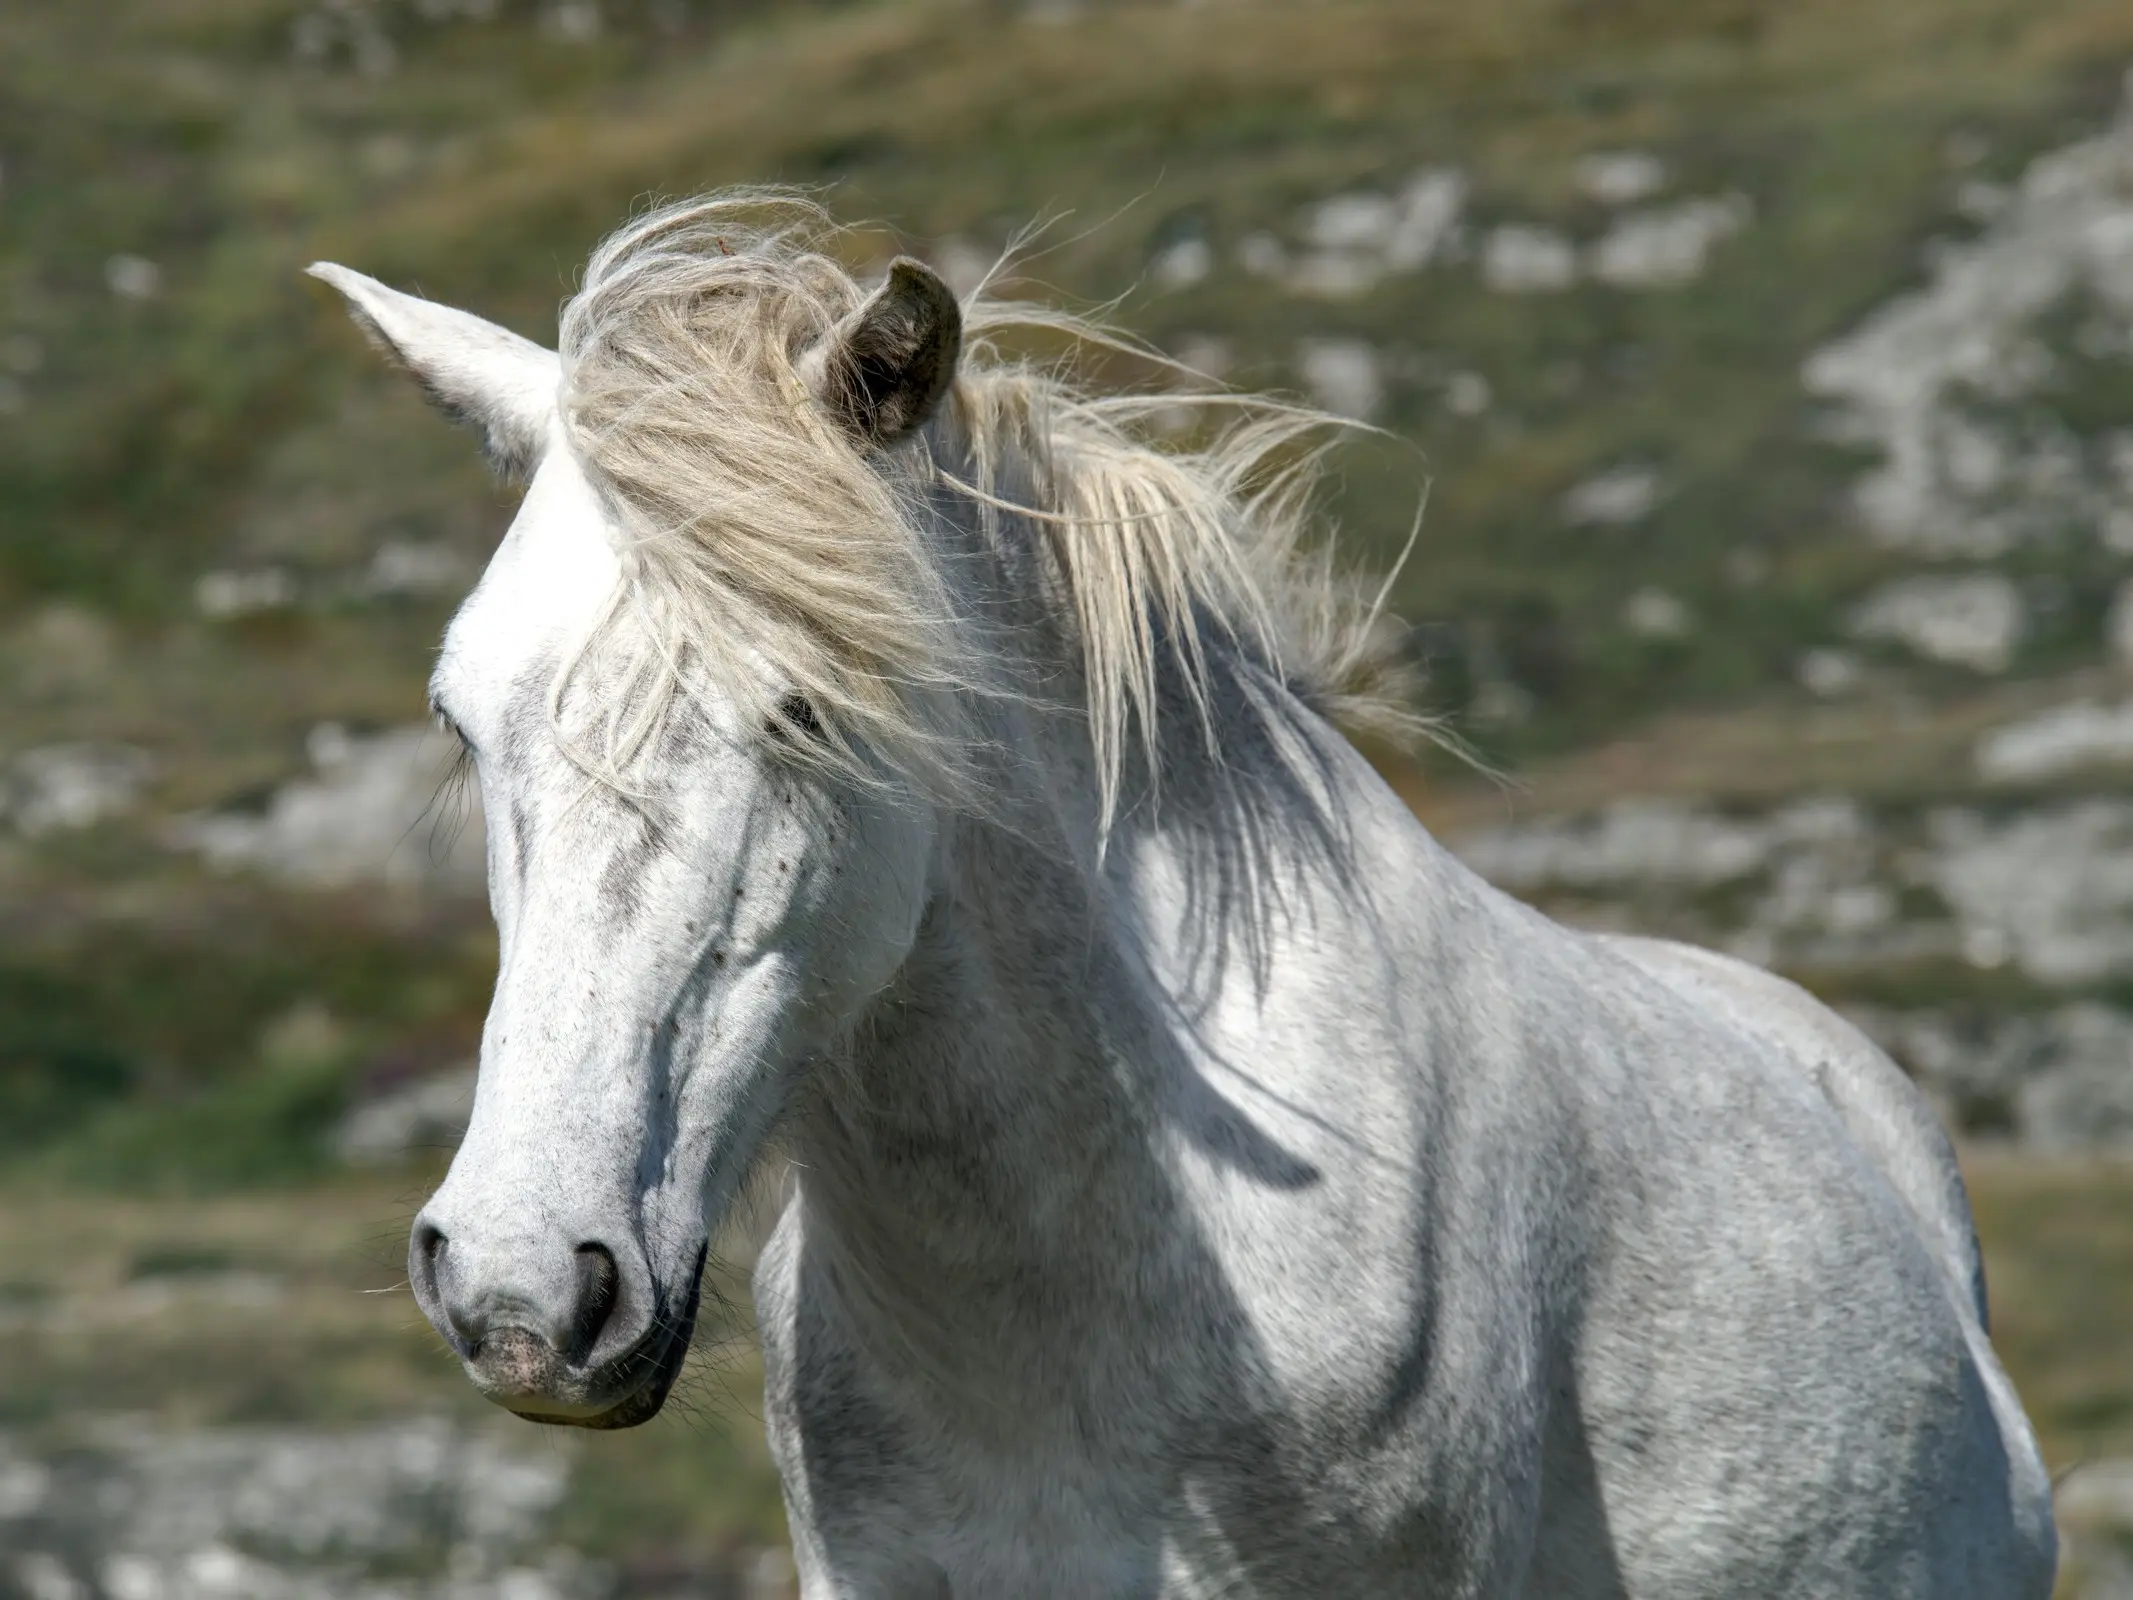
x=1200 y=1184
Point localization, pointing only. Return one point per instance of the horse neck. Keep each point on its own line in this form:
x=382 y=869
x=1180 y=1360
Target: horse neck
x=984 y=1112
x=985 y=1170
x=989 y=1118
x=996 y=1114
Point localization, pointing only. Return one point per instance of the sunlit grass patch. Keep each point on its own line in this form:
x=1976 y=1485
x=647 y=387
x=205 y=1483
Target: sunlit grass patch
x=2059 y=1264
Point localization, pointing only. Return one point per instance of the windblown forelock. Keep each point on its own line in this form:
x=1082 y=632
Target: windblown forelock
x=757 y=533
x=754 y=532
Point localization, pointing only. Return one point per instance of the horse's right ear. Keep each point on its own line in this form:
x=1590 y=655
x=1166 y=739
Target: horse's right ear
x=883 y=369
x=503 y=386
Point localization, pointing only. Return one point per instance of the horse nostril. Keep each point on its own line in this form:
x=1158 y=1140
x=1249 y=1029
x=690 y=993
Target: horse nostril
x=425 y=1250
x=597 y=1286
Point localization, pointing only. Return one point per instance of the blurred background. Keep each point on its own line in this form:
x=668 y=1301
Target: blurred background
x=1770 y=372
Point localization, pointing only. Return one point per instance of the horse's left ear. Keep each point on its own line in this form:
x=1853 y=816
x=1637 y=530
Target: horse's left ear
x=883 y=369
x=503 y=386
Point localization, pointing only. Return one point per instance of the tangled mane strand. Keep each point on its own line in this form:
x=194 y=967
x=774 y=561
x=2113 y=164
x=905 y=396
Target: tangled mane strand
x=761 y=534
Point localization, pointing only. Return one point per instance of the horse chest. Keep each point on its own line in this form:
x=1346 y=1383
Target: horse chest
x=1222 y=1470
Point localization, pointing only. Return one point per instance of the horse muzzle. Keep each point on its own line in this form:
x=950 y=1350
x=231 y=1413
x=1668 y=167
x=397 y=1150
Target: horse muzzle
x=598 y=1349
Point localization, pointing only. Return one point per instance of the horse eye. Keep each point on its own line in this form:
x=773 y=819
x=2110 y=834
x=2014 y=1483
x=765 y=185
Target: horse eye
x=795 y=711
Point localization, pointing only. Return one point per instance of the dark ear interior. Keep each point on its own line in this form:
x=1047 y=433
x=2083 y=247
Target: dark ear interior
x=886 y=366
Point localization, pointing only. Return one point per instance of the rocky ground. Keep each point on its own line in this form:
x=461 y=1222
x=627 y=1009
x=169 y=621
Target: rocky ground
x=408 y=1510
x=233 y=1398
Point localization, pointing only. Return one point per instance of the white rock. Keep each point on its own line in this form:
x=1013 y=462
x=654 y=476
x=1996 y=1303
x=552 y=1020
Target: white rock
x=963 y=266
x=372 y=49
x=131 y=1577
x=1183 y=264
x=572 y=21
x=1210 y=355
x=25 y=1484
x=1655 y=614
x=297 y=1514
x=43 y=1576
x=1468 y=394
x=1263 y=255
x=1977 y=461
x=1352 y=242
x=2080 y=1096
x=310 y=37
x=2064 y=739
x=240 y=593
x=1336 y=274
x=133 y=277
x=360 y=817
x=2056 y=1081
x=1631 y=841
x=2054 y=887
x=1426 y=219
x=1669 y=246
x=1972 y=620
x=403 y=567
x=1359 y=222
x=1829 y=674
x=1520 y=258
x=1821 y=884
x=1810 y=881
x=1615 y=498
x=61 y=787
x=428 y=1114
x=1902 y=378
x=1621 y=177
x=1346 y=376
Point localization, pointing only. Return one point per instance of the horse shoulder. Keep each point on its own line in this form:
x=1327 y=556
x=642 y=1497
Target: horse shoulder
x=1879 y=1107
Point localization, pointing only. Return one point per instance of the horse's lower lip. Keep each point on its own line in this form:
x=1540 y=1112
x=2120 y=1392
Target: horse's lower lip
x=645 y=1375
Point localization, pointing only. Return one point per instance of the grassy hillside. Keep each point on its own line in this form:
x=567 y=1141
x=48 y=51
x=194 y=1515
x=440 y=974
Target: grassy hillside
x=1640 y=571
x=178 y=401
x=221 y=418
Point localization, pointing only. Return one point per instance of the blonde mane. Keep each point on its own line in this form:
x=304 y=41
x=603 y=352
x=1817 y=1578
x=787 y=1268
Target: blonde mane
x=761 y=535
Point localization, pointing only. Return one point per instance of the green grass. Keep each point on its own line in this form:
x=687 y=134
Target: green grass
x=215 y=1048
x=2059 y=1262
x=227 y=419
